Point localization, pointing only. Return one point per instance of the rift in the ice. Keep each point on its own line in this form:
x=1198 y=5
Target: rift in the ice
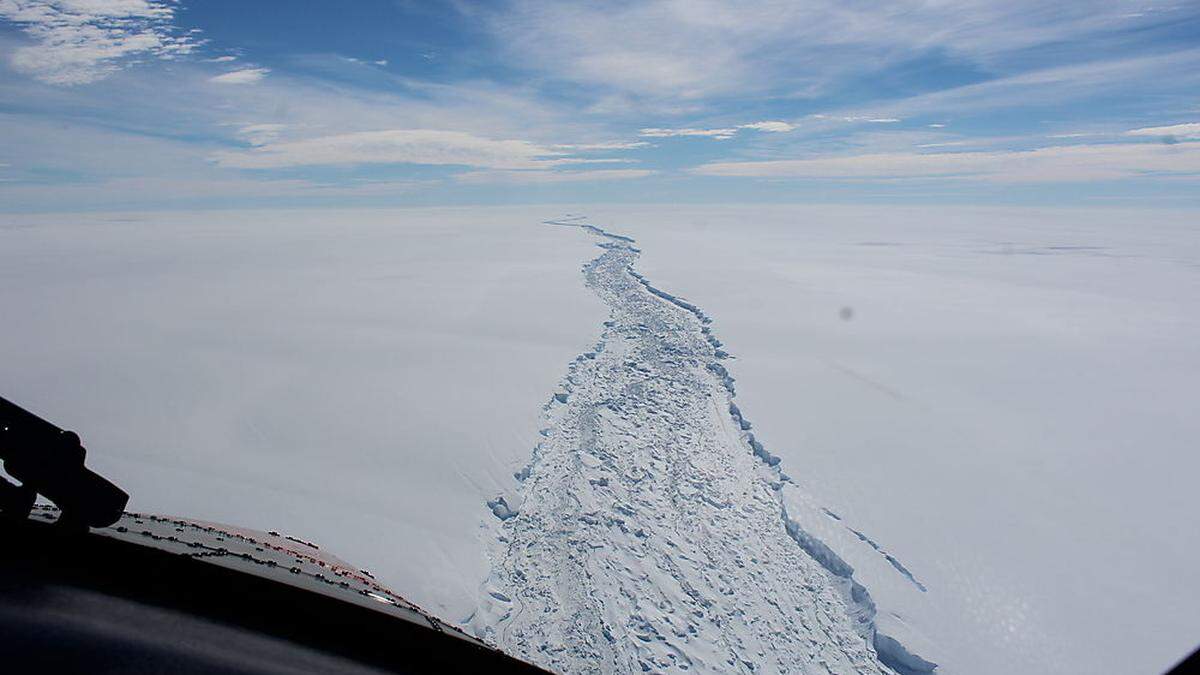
x=858 y=601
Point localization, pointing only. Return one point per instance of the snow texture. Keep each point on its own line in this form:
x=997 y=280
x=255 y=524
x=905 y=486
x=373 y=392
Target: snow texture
x=988 y=414
x=1001 y=399
x=652 y=535
x=363 y=379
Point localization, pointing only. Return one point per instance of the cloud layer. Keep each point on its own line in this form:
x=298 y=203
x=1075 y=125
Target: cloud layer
x=81 y=41
x=1055 y=164
x=1189 y=131
x=528 y=92
x=696 y=49
x=241 y=76
x=396 y=146
x=721 y=134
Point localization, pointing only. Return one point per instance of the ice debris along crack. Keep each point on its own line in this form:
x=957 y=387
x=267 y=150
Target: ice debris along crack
x=651 y=534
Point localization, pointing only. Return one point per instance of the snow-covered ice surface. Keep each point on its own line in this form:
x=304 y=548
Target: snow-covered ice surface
x=362 y=379
x=1002 y=400
x=651 y=533
x=988 y=414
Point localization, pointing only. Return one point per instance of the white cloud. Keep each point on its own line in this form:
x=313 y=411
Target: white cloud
x=355 y=59
x=671 y=50
x=865 y=118
x=243 y=76
x=222 y=59
x=1190 y=131
x=611 y=145
x=590 y=160
x=771 y=126
x=81 y=41
x=395 y=146
x=719 y=134
x=543 y=177
x=1156 y=76
x=936 y=126
x=1044 y=165
x=260 y=134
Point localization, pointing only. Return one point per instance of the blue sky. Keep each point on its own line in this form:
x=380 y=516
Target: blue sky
x=149 y=104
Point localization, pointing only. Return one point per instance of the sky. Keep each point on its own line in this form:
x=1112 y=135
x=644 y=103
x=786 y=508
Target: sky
x=158 y=104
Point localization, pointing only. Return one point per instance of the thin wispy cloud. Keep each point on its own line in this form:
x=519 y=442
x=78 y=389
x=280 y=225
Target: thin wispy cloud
x=81 y=41
x=609 y=145
x=551 y=177
x=260 y=134
x=720 y=134
x=864 y=118
x=671 y=50
x=242 y=76
x=1051 y=86
x=772 y=126
x=1059 y=164
x=395 y=146
x=590 y=160
x=1189 y=131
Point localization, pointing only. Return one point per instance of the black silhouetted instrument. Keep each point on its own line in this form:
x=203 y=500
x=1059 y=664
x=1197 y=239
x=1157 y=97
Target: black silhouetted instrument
x=49 y=461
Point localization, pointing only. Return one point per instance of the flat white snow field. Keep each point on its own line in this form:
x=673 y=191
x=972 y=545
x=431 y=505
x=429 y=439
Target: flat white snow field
x=361 y=379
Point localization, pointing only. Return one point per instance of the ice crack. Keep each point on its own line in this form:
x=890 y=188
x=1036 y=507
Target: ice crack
x=651 y=533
